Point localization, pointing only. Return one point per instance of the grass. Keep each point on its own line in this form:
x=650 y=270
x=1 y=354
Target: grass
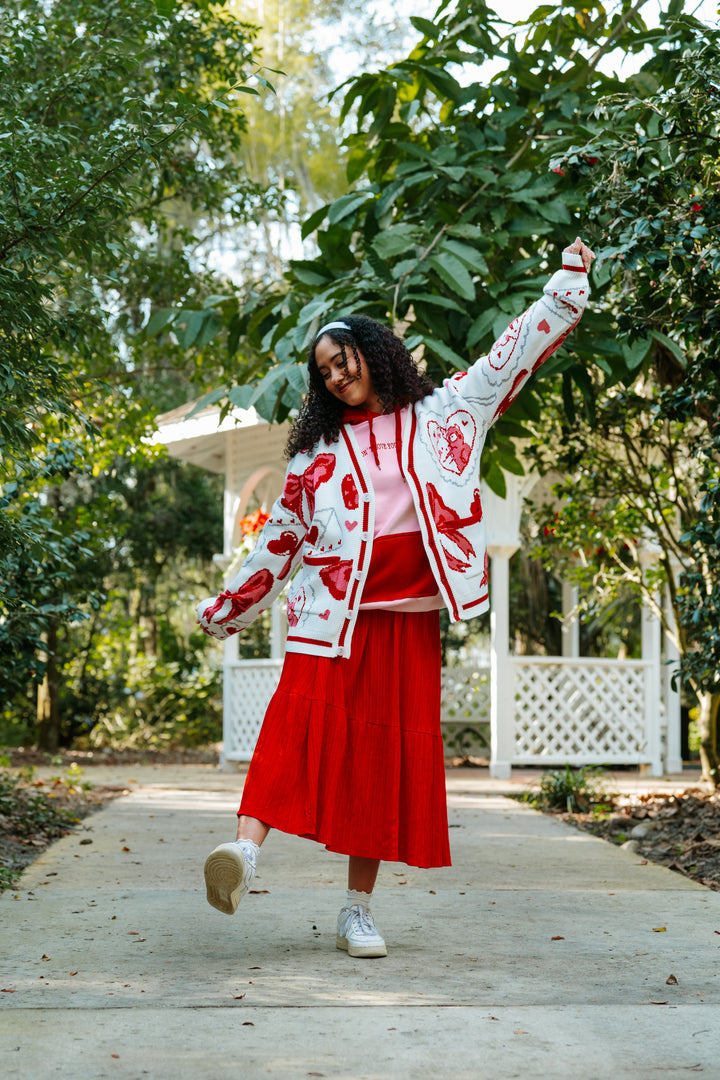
x=572 y=790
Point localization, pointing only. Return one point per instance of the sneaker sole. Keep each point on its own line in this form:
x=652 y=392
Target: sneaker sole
x=366 y=951
x=224 y=873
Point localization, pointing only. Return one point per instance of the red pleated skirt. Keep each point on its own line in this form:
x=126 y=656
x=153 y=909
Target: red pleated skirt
x=350 y=752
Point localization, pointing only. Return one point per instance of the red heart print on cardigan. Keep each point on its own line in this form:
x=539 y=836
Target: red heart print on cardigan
x=295 y=607
x=337 y=577
x=449 y=523
x=317 y=473
x=453 y=443
x=286 y=544
x=250 y=593
x=349 y=492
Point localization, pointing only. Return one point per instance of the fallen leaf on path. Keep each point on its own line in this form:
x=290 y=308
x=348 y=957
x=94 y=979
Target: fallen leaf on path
x=8 y=991
x=248 y=1023
x=238 y=997
x=44 y=957
x=257 y=892
x=671 y=981
x=659 y=929
x=657 y=1002
x=125 y=849
x=558 y=937
x=72 y=972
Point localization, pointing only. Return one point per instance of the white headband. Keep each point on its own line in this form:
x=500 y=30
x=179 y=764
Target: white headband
x=332 y=326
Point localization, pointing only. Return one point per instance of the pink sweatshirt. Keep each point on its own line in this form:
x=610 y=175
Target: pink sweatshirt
x=399 y=578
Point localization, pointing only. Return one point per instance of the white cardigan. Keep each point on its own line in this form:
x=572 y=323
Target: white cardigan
x=323 y=521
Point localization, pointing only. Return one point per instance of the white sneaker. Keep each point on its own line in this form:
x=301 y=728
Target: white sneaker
x=229 y=873
x=356 y=933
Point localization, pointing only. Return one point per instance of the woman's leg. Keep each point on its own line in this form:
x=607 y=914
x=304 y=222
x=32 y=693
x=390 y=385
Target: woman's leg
x=356 y=933
x=362 y=873
x=249 y=828
x=230 y=868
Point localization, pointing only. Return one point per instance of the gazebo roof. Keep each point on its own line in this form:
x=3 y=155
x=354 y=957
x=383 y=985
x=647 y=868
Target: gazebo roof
x=200 y=439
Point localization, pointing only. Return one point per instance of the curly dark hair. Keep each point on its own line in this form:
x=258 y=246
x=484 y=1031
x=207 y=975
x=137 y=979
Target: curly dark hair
x=394 y=374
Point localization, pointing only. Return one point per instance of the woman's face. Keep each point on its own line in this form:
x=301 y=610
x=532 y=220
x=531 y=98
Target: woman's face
x=349 y=381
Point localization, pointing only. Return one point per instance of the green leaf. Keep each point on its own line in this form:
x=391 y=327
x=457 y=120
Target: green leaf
x=209 y=399
x=467 y=254
x=495 y=478
x=240 y=396
x=193 y=327
x=446 y=353
x=396 y=240
x=160 y=319
x=213 y=301
x=509 y=462
x=436 y=299
x=347 y=204
x=555 y=211
x=482 y=325
x=429 y=29
x=669 y=344
x=635 y=352
x=311 y=223
x=454 y=274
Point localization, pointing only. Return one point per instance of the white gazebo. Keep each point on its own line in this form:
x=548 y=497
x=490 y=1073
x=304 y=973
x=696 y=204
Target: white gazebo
x=540 y=710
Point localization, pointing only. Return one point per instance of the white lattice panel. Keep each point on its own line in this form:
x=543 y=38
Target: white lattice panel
x=582 y=712
x=589 y=711
x=249 y=685
x=247 y=689
x=465 y=694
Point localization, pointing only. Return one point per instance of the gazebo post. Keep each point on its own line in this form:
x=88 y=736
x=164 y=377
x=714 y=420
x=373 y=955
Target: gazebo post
x=651 y=636
x=671 y=697
x=503 y=540
x=570 y=623
x=502 y=704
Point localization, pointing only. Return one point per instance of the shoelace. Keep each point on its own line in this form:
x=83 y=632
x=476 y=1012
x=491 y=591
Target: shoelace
x=250 y=857
x=364 y=918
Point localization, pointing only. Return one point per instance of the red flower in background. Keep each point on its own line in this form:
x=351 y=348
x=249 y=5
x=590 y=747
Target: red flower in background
x=559 y=171
x=253 y=523
x=696 y=207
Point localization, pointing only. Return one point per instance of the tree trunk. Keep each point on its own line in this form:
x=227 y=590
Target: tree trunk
x=48 y=708
x=708 y=738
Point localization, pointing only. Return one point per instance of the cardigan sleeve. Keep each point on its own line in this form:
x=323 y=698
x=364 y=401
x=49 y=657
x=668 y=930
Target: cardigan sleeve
x=493 y=382
x=266 y=569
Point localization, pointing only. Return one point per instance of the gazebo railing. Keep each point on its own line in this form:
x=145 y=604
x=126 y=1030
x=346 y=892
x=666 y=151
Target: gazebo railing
x=583 y=711
x=248 y=686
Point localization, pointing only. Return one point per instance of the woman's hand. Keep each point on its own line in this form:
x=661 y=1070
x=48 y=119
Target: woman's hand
x=579 y=248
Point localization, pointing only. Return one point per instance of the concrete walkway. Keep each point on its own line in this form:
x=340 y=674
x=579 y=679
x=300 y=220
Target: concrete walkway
x=542 y=952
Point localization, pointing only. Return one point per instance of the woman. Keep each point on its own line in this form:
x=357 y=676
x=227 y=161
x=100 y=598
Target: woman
x=381 y=512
